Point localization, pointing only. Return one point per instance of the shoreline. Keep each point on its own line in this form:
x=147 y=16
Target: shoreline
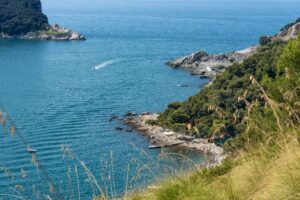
x=160 y=137
x=209 y=66
x=55 y=33
x=206 y=65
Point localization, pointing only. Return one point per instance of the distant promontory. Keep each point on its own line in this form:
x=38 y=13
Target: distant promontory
x=210 y=65
x=24 y=19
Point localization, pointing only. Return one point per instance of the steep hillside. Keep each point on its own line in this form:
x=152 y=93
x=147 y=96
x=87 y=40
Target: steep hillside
x=219 y=111
x=21 y=16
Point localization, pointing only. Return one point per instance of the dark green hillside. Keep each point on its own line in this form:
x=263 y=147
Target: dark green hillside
x=21 y=16
x=219 y=111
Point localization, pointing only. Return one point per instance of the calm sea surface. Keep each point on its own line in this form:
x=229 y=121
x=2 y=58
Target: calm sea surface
x=54 y=97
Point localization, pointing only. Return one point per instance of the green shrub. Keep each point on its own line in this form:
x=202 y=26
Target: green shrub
x=232 y=60
x=174 y=105
x=152 y=122
x=179 y=116
x=264 y=40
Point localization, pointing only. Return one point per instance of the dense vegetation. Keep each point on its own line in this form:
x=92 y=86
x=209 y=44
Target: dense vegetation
x=219 y=111
x=264 y=92
x=21 y=16
x=264 y=40
x=290 y=24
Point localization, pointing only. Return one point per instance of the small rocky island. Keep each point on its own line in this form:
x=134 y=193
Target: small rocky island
x=208 y=66
x=24 y=19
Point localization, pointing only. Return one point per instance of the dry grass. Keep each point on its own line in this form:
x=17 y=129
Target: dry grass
x=257 y=175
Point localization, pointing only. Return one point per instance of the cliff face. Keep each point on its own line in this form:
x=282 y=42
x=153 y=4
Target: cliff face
x=21 y=16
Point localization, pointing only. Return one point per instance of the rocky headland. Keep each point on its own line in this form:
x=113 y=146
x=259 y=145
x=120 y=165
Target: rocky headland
x=160 y=137
x=208 y=66
x=24 y=19
x=50 y=33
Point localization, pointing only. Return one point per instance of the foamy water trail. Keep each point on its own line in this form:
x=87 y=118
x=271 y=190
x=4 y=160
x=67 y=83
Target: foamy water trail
x=107 y=63
x=111 y=62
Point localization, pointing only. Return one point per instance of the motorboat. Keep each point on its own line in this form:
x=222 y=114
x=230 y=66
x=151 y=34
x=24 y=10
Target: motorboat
x=31 y=150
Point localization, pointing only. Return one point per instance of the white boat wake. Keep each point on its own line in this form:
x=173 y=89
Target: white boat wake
x=107 y=63
x=111 y=62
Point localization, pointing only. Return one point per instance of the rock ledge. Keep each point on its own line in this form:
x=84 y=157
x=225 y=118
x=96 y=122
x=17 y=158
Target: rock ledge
x=159 y=136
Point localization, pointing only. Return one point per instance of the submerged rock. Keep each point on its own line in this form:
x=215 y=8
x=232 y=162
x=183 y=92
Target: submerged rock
x=114 y=117
x=130 y=114
x=118 y=128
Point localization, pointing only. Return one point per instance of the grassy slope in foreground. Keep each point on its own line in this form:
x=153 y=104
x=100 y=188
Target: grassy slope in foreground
x=266 y=164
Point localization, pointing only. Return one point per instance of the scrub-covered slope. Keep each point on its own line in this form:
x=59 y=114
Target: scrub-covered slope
x=21 y=16
x=220 y=111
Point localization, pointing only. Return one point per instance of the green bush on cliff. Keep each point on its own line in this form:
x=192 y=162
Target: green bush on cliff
x=21 y=16
x=286 y=86
x=264 y=40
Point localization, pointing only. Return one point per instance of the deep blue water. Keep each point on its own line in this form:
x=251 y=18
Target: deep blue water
x=55 y=98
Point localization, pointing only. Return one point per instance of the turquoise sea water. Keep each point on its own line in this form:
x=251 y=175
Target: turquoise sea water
x=55 y=98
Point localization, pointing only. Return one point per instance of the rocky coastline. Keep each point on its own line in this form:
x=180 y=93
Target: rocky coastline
x=54 y=32
x=206 y=66
x=160 y=137
x=209 y=66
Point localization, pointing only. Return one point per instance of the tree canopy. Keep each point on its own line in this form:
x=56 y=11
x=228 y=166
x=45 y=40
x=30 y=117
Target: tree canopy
x=21 y=16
